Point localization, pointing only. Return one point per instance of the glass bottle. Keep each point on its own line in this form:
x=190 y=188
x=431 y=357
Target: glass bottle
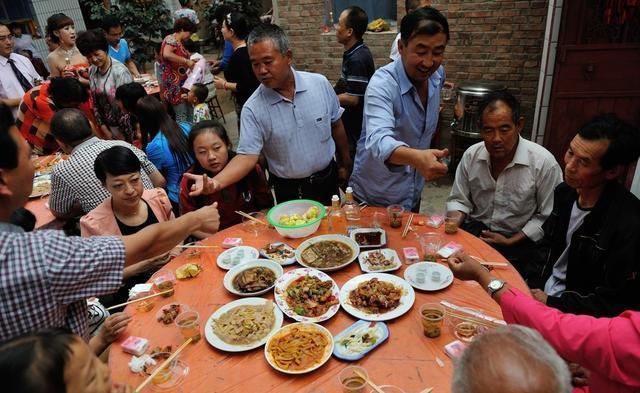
x=337 y=218
x=351 y=208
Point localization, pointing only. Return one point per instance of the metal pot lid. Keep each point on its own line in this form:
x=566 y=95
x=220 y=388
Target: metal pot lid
x=480 y=86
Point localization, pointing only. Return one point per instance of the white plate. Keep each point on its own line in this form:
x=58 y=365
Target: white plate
x=236 y=256
x=383 y=237
x=280 y=260
x=280 y=294
x=307 y=326
x=388 y=254
x=341 y=238
x=228 y=278
x=216 y=342
x=408 y=297
x=41 y=181
x=412 y=273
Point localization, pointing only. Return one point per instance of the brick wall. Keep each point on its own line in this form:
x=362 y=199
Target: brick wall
x=498 y=40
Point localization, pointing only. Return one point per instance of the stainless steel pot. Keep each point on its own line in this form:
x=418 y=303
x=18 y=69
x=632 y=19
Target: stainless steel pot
x=469 y=96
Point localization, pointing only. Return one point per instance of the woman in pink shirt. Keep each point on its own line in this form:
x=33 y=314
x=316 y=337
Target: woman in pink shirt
x=608 y=347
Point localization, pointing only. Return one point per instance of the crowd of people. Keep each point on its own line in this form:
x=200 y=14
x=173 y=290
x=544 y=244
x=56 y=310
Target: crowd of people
x=143 y=174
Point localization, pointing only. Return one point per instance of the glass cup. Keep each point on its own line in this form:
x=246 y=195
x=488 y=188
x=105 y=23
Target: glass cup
x=432 y=316
x=378 y=219
x=394 y=212
x=188 y=323
x=253 y=227
x=351 y=379
x=164 y=280
x=388 y=389
x=451 y=222
x=446 y=93
x=430 y=243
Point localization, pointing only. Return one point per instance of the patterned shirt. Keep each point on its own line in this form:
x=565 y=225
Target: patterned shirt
x=73 y=182
x=201 y=112
x=46 y=278
x=103 y=91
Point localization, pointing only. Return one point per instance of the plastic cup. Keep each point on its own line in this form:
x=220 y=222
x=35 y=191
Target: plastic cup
x=164 y=280
x=430 y=243
x=432 y=316
x=394 y=212
x=446 y=93
x=451 y=222
x=188 y=323
x=351 y=381
x=388 y=389
x=253 y=227
x=378 y=219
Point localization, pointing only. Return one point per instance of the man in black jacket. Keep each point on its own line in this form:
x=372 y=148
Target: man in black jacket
x=594 y=230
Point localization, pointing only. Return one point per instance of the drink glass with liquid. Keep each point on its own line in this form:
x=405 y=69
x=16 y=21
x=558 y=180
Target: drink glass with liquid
x=188 y=323
x=351 y=378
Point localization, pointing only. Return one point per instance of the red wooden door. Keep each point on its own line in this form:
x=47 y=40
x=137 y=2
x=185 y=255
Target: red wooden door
x=597 y=68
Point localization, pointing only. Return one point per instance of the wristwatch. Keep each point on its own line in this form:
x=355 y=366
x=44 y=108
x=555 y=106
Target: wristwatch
x=494 y=286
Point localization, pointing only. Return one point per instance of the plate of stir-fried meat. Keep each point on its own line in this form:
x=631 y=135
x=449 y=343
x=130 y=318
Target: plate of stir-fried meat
x=252 y=278
x=377 y=296
x=327 y=252
x=307 y=295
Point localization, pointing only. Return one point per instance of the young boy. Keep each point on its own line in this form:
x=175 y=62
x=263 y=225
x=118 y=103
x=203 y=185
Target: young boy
x=197 y=96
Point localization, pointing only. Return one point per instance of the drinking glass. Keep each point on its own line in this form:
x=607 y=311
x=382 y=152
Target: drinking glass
x=254 y=227
x=432 y=316
x=430 y=243
x=188 y=323
x=351 y=379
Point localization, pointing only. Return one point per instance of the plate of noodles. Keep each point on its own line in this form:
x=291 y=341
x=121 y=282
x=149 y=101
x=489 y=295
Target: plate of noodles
x=307 y=295
x=243 y=325
x=299 y=348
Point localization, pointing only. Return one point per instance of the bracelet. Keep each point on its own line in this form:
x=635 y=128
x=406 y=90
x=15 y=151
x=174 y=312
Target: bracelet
x=224 y=85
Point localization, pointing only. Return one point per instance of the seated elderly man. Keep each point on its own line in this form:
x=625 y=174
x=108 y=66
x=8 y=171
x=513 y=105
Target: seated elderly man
x=40 y=104
x=593 y=264
x=504 y=185
x=75 y=189
x=48 y=276
x=511 y=359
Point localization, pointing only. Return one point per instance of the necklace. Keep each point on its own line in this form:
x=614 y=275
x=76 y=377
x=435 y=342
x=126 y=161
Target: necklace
x=68 y=53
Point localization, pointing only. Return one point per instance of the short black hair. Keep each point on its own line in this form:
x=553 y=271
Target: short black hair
x=489 y=103
x=184 y=24
x=35 y=362
x=129 y=94
x=357 y=20
x=115 y=161
x=213 y=126
x=8 y=145
x=23 y=218
x=110 y=21
x=70 y=126
x=56 y=22
x=65 y=91
x=425 y=20
x=200 y=91
x=92 y=40
x=624 y=141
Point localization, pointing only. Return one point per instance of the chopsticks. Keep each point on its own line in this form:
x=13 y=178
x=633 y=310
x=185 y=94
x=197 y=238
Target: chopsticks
x=163 y=365
x=477 y=321
x=503 y=264
x=370 y=382
x=141 y=299
x=363 y=205
x=407 y=226
x=196 y=246
x=250 y=217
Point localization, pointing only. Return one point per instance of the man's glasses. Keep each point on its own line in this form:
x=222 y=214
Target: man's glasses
x=6 y=37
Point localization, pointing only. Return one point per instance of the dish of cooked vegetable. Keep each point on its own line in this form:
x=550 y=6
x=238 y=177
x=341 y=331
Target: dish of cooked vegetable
x=254 y=279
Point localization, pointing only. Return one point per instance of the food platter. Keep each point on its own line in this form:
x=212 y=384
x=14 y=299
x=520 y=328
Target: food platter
x=217 y=342
x=256 y=268
x=288 y=280
x=368 y=238
x=41 y=186
x=159 y=314
x=331 y=252
x=279 y=252
x=356 y=341
x=428 y=276
x=235 y=256
x=406 y=296
x=317 y=341
x=388 y=254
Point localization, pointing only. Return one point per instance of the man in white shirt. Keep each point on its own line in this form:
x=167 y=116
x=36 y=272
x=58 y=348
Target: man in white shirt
x=504 y=185
x=17 y=75
x=409 y=6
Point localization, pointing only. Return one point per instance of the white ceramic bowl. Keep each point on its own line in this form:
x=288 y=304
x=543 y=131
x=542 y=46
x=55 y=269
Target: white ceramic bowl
x=298 y=206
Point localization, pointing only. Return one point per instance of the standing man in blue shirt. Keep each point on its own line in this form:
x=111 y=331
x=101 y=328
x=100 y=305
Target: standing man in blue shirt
x=401 y=108
x=118 y=46
x=293 y=119
x=357 y=69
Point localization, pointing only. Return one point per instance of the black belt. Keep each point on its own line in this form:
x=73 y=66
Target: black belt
x=315 y=178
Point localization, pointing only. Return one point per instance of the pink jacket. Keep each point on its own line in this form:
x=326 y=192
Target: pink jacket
x=102 y=222
x=608 y=347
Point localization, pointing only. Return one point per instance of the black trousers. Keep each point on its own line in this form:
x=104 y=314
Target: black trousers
x=320 y=186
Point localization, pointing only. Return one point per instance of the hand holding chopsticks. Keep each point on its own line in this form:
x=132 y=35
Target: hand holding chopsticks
x=140 y=299
x=250 y=217
x=163 y=365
